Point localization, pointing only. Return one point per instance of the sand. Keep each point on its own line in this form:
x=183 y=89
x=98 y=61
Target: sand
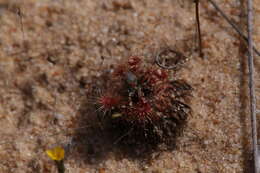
x=52 y=55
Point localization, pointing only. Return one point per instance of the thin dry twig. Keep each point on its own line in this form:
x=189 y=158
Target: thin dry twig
x=232 y=24
x=198 y=26
x=251 y=82
x=20 y=14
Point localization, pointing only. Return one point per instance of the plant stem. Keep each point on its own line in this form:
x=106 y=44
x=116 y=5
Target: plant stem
x=198 y=26
x=251 y=82
x=60 y=166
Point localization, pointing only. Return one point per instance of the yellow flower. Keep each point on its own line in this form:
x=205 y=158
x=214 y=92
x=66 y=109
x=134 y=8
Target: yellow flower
x=56 y=153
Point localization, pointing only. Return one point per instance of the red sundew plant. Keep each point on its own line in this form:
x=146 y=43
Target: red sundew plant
x=144 y=103
x=108 y=102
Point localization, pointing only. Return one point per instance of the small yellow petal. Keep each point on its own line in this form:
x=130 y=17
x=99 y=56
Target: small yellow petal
x=116 y=115
x=56 y=153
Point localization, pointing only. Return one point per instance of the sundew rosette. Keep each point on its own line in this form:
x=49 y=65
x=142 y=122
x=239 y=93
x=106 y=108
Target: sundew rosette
x=143 y=104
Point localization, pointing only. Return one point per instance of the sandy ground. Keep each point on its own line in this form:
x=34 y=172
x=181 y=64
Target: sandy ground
x=48 y=63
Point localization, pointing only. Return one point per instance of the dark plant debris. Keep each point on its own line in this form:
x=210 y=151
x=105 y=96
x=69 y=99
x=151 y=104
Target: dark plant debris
x=170 y=59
